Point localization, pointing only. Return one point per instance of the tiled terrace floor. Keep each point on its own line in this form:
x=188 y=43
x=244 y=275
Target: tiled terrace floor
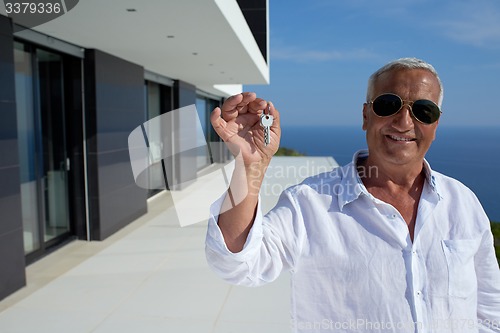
x=150 y=277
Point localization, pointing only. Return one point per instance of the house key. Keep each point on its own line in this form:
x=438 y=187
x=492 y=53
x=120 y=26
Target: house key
x=266 y=121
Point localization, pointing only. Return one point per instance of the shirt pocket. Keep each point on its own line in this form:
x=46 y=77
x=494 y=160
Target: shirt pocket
x=459 y=253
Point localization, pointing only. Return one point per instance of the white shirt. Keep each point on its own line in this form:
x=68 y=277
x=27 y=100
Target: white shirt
x=353 y=265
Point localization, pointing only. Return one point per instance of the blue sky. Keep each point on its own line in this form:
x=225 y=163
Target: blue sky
x=322 y=52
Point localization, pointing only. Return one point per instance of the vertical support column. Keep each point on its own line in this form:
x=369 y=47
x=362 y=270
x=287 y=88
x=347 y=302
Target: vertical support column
x=114 y=103
x=12 y=274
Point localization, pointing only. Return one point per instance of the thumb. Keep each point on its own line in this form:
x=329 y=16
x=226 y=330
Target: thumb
x=217 y=122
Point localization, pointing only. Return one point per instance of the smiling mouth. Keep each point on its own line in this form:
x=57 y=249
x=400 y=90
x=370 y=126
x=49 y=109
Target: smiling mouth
x=400 y=139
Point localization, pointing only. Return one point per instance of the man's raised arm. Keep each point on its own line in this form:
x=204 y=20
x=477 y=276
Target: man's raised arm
x=237 y=122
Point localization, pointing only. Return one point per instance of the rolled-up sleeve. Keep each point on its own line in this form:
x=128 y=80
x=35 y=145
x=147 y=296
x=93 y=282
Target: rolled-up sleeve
x=271 y=245
x=232 y=267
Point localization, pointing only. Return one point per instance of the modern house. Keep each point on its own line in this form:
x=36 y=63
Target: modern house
x=74 y=88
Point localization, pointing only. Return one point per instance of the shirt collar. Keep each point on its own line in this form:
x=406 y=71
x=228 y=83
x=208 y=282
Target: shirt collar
x=352 y=186
x=430 y=177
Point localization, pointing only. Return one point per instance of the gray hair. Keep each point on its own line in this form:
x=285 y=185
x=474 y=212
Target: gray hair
x=403 y=63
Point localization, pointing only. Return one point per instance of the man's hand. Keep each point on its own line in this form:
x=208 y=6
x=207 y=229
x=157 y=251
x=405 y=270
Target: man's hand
x=238 y=124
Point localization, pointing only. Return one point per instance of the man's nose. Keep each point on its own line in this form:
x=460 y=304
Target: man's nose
x=403 y=120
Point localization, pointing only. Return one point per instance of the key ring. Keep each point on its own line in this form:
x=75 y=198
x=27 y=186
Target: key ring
x=268 y=109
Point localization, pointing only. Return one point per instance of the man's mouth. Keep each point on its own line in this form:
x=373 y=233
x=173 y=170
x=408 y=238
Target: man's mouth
x=400 y=138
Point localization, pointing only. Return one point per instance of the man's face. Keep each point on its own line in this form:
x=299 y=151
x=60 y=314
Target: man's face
x=400 y=139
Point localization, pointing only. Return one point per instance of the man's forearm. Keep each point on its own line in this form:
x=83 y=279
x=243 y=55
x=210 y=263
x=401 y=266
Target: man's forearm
x=240 y=205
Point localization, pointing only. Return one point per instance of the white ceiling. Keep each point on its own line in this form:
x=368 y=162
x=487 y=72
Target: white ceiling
x=203 y=42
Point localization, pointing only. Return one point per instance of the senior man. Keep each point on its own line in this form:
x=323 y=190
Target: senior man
x=382 y=244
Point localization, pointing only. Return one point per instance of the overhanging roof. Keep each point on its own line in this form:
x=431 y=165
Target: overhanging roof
x=203 y=42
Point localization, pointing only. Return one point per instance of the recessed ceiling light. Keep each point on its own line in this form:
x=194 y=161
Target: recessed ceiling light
x=195 y=53
x=170 y=36
x=131 y=10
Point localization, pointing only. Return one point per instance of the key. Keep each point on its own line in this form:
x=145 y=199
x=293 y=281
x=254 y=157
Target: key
x=266 y=121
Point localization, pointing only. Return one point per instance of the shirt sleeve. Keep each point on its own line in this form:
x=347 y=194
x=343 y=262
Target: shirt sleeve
x=273 y=244
x=488 y=277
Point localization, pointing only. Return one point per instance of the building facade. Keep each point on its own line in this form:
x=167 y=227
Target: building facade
x=74 y=88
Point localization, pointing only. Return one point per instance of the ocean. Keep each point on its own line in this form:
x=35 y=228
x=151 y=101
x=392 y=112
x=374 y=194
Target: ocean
x=469 y=154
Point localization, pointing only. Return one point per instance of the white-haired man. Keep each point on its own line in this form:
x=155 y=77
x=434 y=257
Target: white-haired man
x=383 y=244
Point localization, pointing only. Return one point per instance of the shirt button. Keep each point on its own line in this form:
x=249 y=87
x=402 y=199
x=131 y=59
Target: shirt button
x=419 y=293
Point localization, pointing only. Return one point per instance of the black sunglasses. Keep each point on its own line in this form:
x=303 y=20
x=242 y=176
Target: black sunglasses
x=423 y=110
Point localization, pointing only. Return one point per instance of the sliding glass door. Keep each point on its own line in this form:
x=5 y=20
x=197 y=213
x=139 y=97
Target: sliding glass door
x=26 y=129
x=42 y=146
x=54 y=162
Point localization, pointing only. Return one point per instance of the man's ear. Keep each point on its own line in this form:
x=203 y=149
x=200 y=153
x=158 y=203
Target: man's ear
x=365 y=115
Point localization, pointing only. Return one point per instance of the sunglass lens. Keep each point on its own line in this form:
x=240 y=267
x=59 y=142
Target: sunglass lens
x=386 y=105
x=426 y=111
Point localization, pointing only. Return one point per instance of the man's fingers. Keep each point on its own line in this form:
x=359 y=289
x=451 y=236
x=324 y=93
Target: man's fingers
x=237 y=103
x=251 y=103
x=232 y=102
x=232 y=106
x=242 y=103
x=248 y=97
x=257 y=105
x=275 y=114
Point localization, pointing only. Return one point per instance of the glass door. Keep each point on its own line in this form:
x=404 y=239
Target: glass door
x=54 y=162
x=42 y=147
x=26 y=129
